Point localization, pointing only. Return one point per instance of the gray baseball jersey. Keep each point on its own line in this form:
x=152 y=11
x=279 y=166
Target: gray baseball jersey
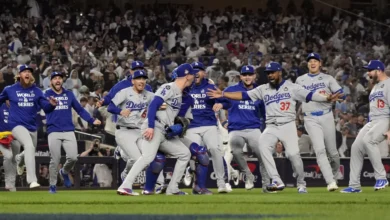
x=137 y=103
x=321 y=83
x=172 y=96
x=371 y=135
x=380 y=100
x=279 y=104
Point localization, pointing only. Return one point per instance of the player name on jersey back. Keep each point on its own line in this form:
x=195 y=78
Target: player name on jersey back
x=379 y=100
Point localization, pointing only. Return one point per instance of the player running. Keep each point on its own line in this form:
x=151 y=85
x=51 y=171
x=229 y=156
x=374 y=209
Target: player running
x=374 y=132
x=154 y=130
x=132 y=105
x=244 y=126
x=279 y=97
x=60 y=130
x=25 y=101
x=319 y=120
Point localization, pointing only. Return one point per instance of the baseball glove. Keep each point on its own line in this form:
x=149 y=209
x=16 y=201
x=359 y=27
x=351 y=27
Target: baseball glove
x=178 y=129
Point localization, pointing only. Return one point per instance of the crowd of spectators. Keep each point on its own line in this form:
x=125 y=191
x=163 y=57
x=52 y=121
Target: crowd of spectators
x=94 y=47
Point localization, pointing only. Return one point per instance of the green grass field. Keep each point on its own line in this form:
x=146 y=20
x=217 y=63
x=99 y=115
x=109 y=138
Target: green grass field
x=317 y=204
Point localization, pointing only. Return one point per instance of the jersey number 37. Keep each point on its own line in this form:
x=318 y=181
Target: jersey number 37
x=284 y=106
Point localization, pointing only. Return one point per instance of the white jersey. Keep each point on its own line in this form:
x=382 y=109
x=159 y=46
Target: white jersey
x=321 y=83
x=380 y=100
x=279 y=104
x=137 y=103
x=172 y=96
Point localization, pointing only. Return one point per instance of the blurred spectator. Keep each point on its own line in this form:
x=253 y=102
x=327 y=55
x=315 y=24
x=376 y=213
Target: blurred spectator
x=279 y=150
x=304 y=142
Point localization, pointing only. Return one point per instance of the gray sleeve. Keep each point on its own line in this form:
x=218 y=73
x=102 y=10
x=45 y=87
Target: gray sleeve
x=164 y=92
x=300 y=93
x=255 y=94
x=150 y=96
x=119 y=97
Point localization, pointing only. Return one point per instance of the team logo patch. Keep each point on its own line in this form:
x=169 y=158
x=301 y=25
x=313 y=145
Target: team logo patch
x=382 y=85
x=285 y=89
x=167 y=87
x=320 y=78
x=144 y=96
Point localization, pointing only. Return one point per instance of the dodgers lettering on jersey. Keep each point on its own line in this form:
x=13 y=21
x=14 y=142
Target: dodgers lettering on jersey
x=202 y=109
x=320 y=83
x=172 y=96
x=137 y=103
x=380 y=100
x=242 y=114
x=279 y=103
x=60 y=120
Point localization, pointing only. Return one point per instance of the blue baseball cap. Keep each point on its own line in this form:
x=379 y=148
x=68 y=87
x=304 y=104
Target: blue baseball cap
x=137 y=65
x=247 y=69
x=315 y=56
x=273 y=67
x=375 y=65
x=140 y=73
x=54 y=74
x=198 y=66
x=25 y=67
x=185 y=69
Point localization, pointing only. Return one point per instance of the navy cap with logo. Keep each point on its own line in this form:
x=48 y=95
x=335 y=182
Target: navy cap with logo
x=315 y=56
x=25 y=67
x=137 y=65
x=54 y=74
x=273 y=67
x=139 y=74
x=375 y=65
x=185 y=69
x=198 y=66
x=247 y=69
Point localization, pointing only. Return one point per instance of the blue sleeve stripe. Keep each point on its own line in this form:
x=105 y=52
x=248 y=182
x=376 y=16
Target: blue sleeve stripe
x=152 y=111
x=339 y=91
x=309 y=97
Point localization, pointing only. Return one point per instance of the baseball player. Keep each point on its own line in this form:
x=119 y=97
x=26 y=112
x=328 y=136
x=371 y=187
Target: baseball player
x=244 y=126
x=60 y=129
x=132 y=105
x=319 y=120
x=25 y=101
x=198 y=153
x=279 y=98
x=9 y=148
x=154 y=130
x=203 y=128
x=374 y=132
x=125 y=83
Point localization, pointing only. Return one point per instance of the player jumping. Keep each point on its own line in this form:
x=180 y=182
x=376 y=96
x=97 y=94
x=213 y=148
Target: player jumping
x=319 y=120
x=280 y=98
x=374 y=132
x=25 y=101
x=60 y=130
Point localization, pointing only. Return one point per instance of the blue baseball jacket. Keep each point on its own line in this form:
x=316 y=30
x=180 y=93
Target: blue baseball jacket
x=243 y=114
x=202 y=110
x=60 y=120
x=24 y=105
x=118 y=87
x=4 y=112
